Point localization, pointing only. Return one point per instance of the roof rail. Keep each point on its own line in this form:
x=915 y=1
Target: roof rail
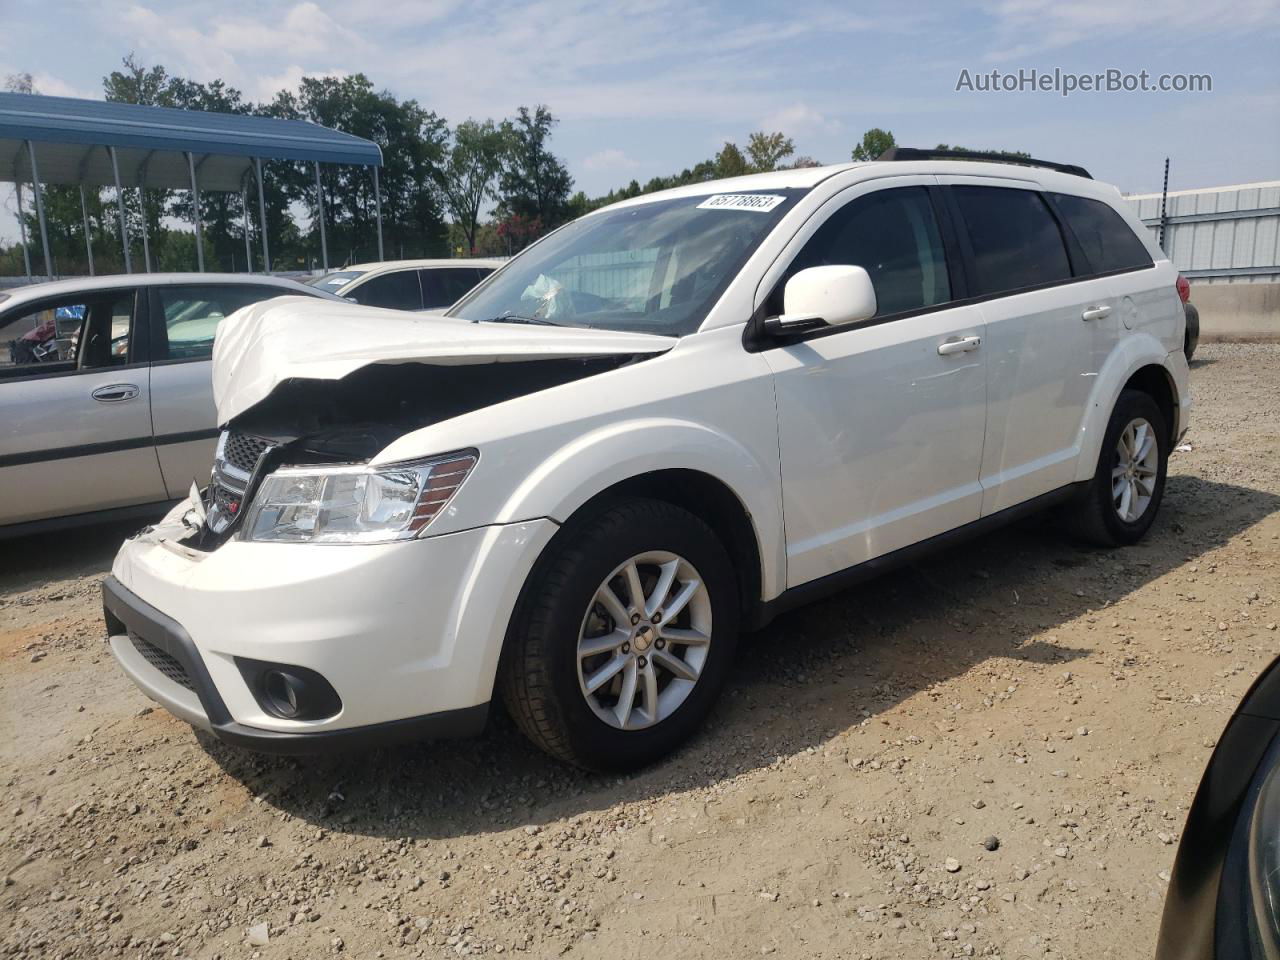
x=916 y=153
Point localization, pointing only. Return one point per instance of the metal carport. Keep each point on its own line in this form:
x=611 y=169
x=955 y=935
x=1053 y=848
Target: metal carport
x=99 y=143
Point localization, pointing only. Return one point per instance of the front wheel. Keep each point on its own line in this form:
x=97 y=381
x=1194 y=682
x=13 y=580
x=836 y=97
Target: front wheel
x=1124 y=495
x=622 y=640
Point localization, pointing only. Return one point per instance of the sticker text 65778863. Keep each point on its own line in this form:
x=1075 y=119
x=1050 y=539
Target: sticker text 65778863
x=759 y=202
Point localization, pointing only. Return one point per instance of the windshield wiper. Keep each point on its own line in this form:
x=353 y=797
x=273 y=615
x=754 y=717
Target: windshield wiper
x=515 y=318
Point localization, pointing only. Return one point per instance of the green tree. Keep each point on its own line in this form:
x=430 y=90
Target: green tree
x=874 y=142
x=765 y=150
x=1018 y=154
x=469 y=174
x=730 y=162
x=534 y=185
x=414 y=143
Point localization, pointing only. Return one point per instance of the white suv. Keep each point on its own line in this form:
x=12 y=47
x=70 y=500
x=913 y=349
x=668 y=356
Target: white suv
x=663 y=423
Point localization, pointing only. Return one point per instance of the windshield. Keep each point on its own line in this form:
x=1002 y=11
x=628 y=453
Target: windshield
x=652 y=268
x=334 y=282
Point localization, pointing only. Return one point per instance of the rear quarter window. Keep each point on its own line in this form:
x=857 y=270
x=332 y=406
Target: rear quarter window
x=1016 y=241
x=1108 y=242
x=398 y=290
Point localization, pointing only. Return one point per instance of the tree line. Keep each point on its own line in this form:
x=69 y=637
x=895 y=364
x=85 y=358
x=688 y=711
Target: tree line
x=480 y=187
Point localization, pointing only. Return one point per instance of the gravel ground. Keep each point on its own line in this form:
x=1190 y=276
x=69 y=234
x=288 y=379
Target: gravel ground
x=987 y=754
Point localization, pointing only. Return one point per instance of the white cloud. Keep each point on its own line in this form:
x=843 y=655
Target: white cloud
x=799 y=119
x=608 y=159
x=1027 y=27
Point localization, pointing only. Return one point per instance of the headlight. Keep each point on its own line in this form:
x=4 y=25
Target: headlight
x=355 y=504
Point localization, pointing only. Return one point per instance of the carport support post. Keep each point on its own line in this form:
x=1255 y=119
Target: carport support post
x=146 y=242
x=195 y=210
x=324 y=244
x=88 y=240
x=35 y=188
x=262 y=215
x=22 y=228
x=124 y=226
x=377 y=207
x=244 y=209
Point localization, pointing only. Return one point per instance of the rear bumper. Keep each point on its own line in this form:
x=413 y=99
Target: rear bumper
x=198 y=702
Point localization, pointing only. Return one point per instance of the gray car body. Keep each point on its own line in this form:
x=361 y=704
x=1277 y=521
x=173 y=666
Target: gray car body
x=67 y=457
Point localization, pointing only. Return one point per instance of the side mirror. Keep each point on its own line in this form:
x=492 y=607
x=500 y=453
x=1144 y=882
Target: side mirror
x=824 y=297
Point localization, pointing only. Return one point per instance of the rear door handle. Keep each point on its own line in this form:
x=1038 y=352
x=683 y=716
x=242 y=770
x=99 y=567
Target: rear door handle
x=1095 y=313
x=959 y=345
x=115 y=393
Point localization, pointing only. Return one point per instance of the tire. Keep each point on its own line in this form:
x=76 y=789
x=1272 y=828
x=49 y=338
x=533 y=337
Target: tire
x=545 y=673
x=1192 y=337
x=1096 y=517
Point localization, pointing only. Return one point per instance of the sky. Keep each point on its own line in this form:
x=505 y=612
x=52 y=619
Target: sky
x=649 y=87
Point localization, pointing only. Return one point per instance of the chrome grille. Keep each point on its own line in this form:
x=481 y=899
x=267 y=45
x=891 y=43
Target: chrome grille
x=166 y=664
x=243 y=451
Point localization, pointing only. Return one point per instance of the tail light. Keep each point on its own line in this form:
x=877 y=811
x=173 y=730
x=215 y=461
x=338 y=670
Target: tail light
x=1184 y=288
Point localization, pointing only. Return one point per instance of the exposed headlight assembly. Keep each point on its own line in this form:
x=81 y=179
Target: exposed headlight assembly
x=355 y=504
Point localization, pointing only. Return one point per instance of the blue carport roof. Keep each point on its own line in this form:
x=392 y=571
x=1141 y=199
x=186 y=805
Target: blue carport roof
x=70 y=137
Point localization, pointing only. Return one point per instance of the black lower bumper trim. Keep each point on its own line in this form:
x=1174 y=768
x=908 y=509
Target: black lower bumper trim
x=124 y=607
x=447 y=725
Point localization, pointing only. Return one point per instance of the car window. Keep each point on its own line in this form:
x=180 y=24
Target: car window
x=398 y=291
x=1108 y=242
x=335 y=281
x=85 y=332
x=444 y=286
x=192 y=313
x=1016 y=242
x=655 y=266
x=893 y=235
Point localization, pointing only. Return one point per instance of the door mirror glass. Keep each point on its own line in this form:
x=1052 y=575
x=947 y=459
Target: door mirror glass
x=825 y=296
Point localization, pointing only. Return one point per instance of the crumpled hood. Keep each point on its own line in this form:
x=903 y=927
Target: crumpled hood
x=261 y=346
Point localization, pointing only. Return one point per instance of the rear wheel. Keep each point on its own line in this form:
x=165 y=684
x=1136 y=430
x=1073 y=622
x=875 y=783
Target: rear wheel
x=1125 y=494
x=622 y=640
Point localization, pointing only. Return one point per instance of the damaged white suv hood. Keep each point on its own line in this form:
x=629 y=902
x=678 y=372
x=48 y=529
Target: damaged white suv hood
x=261 y=346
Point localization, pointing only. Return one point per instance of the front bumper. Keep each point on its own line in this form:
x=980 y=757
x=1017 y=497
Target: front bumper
x=198 y=702
x=408 y=634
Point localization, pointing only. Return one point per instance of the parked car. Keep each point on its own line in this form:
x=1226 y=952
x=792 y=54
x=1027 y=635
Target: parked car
x=407 y=284
x=1224 y=891
x=1191 y=339
x=106 y=405
x=669 y=419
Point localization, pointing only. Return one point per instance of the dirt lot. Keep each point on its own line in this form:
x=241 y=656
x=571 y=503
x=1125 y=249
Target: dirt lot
x=1059 y=699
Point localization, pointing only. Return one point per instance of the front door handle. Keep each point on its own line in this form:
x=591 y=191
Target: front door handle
x=115 y=393
x=1096 y=313
x=959 y=345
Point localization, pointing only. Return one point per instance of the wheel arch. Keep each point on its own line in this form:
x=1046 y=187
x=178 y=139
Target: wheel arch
x=1155 y=381
x=710 y=499
x=1141 y=363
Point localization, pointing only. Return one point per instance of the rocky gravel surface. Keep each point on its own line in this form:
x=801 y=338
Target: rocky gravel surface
x=988 y=754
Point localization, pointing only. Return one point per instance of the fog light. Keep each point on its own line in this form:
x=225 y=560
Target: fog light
x=289 y=692
x=281 y=691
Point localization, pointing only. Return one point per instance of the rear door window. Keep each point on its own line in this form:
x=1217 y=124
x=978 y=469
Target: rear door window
x=190 y=316
x=444 y=286
x=1016 y=241
x=398 y=290
x=1108 y=242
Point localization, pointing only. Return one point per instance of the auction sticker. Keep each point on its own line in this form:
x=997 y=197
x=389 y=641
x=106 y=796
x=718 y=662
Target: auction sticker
x=760 y=202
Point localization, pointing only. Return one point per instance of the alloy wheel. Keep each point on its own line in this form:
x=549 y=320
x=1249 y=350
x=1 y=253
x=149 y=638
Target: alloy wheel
x=1137 y=464
x=644 y=640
